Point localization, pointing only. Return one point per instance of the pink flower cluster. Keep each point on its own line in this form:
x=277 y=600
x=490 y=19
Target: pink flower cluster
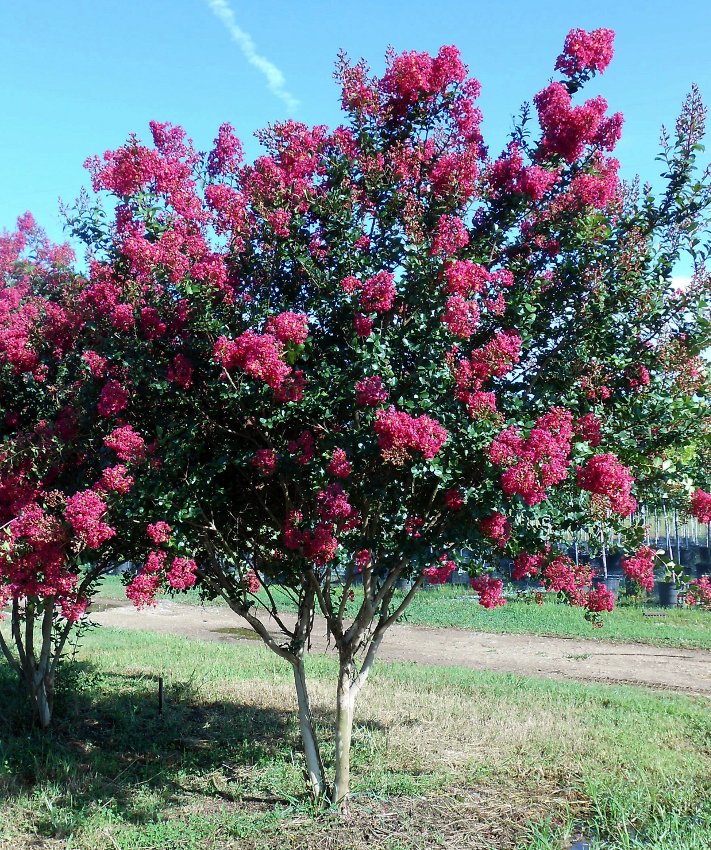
x=180 y=372
x=701 y=505
x=252 y=582
x=318 y=545
x=493 y=360
x=302 y=447
x=259 y=355
x=128 y=445
x=289 y=327
x=599 y=599
x=142 y=590
x=159 y=532
x=450 y=235
x=526 y=564
x=490 y=590
x=399 y=434
x=412 y=527
x=497 y=528
x=586 y=51
x=333 y=506
x=339 y=465
x=84 y=511
x=96 y=363
x=152 y=325
x=440 y=573
x=608 y=480
x=376 y=293
x=561 y=575
x=461 y=316
x=465 y=278
x=640 y=377
x=265 y=460
x=588 y=428
x=181 y=574
x=640 y=567
x=226 y=154
x=362 y=559
x=116 y=479
x=363 y=325
x=537 y=463
x=292 y=388
x=594 y=188
x=454 y=499
x=113 y=399
x=508 y=175
x=567 y=130
x=370 y=392
x=412 y=75
x=125 y=171
x=700 y=592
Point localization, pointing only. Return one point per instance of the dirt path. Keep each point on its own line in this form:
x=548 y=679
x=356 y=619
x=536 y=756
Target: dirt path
x=667 y=668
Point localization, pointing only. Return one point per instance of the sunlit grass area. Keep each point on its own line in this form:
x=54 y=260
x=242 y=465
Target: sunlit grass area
x=442 y=758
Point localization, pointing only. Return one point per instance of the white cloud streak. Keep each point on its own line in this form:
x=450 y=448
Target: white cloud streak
x=274 y=77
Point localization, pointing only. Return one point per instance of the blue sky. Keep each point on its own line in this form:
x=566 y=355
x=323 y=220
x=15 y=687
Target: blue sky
x=80 y=75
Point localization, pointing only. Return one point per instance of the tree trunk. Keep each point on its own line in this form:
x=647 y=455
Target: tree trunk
x=36 y=672
x=41 y=690
x=345 y=699
x=312 y=754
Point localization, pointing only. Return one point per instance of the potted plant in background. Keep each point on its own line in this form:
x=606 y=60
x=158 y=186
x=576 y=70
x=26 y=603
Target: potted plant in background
x=672 y=584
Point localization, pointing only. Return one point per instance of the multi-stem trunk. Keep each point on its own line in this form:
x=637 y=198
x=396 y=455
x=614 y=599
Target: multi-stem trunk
x=35 y=667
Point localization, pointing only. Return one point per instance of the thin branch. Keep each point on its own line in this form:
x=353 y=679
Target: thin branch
x=11 y=660
x=16 y=633
x=262 y=631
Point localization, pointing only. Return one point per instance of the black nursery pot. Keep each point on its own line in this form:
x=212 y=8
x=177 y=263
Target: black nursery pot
x=612 y=583
x=668 y=594
x=614 y=562
x=703 y=561
x=459 y=577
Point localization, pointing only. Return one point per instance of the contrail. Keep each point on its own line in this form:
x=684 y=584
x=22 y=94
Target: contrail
x=275 y=78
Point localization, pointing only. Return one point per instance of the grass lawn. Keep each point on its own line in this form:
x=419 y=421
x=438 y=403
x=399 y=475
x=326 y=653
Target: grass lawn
x=455 y=606
x=442 y=758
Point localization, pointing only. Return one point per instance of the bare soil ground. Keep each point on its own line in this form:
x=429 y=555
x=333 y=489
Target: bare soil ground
x=683 y=670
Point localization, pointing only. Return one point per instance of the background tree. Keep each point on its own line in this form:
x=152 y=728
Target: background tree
x=376 y=346
x=59 y=488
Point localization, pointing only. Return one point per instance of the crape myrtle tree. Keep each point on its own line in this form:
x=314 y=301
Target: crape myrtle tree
x=60 y=484
x=377 y=346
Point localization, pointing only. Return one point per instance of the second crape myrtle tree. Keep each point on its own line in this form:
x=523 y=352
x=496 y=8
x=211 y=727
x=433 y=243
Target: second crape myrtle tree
x=61 y=480
x=375 y=346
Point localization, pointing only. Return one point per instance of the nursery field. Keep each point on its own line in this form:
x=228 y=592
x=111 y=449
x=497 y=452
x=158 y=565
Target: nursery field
x=456 y=607
x=443 y=757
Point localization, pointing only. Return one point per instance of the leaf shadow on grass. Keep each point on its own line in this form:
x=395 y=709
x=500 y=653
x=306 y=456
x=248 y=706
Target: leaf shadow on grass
x=109 y=747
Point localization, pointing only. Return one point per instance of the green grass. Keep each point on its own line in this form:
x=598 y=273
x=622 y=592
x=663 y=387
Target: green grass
x=442 y=757
x=451 y=606
x=456 y=607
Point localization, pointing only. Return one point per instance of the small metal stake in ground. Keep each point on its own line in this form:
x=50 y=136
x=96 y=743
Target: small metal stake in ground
x=160 y=696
